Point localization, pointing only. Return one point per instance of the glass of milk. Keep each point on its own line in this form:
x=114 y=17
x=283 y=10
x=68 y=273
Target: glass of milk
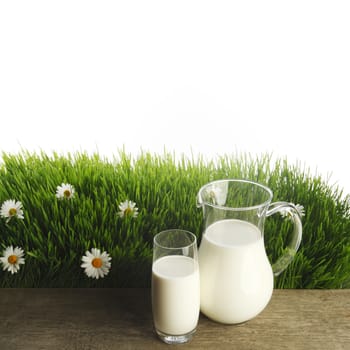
x=175 y=285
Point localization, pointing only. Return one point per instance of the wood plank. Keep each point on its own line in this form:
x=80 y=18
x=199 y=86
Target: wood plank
x=102 y=319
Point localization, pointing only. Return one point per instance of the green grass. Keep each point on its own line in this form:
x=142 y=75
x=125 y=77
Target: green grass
x=55 y=234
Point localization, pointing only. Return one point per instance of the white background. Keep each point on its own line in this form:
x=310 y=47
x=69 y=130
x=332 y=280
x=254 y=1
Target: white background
x=208 y=77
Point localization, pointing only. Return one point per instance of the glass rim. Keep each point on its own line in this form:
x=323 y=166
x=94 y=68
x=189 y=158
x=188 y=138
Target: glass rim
x=188 y=233
x=242 y=181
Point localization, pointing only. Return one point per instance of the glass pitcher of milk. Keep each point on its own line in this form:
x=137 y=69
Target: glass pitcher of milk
x=236 y=277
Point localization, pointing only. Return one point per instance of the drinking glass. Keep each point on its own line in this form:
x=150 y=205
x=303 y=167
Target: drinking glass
x=175 y=285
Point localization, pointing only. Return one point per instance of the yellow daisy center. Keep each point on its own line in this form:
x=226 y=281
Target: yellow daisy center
x=66 y=193
x=12 y=211
x=96 y=263
x=128 y=211
x=12 y=259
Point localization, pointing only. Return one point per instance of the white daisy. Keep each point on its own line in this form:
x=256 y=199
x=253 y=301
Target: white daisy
x=12 y=259
x=10 y=208
x=65 y=191
x=286 y=213
x=96 y=265
x=128 y=208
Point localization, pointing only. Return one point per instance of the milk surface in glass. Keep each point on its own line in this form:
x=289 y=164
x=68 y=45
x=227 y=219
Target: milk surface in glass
x=236 y=276
x=175 y=294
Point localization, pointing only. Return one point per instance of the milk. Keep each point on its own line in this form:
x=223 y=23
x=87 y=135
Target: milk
x=175 y=294
x=236 y=277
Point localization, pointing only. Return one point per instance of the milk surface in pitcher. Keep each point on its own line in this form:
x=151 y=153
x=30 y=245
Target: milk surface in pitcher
x=236 y=277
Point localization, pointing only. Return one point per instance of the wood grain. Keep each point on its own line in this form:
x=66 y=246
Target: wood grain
x=102 y=319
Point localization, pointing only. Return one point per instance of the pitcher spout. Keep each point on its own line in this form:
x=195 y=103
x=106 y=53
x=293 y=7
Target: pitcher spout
x=199 y=200
x=214 y=193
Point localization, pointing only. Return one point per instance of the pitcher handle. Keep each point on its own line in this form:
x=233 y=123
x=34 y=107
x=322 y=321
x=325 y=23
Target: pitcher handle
x=294 y=214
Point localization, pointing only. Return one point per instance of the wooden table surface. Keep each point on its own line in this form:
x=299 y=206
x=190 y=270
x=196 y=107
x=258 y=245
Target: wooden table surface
x=101 y=319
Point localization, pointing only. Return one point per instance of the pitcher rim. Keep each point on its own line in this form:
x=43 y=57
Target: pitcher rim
x=200 y=203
